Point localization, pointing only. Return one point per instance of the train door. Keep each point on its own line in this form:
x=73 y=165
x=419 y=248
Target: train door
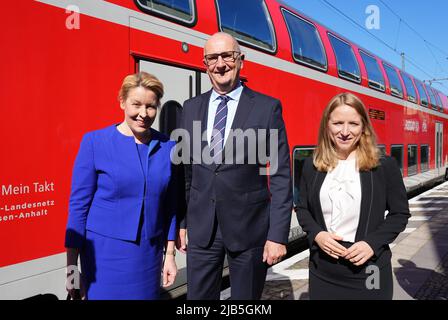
x=439 y=145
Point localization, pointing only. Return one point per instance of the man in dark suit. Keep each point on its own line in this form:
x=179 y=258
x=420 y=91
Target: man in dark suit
x=232 y=208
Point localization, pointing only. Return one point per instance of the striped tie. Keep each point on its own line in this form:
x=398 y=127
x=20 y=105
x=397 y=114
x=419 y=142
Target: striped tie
x=219 y=127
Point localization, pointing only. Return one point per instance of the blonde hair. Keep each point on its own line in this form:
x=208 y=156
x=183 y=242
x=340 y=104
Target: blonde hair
x=367 y=153
x=141 y=79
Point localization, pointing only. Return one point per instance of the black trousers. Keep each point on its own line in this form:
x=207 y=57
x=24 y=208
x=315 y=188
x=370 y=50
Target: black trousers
x=205 y=265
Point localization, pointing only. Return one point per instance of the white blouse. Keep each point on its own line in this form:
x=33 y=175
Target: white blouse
x=340 y=199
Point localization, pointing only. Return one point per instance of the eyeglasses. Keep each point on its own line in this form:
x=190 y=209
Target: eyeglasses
x=227 y=56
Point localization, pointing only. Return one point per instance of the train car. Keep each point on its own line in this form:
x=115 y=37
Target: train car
x=62 y=65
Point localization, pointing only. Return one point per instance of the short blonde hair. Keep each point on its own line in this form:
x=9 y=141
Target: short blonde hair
x=141 y=79
x=367 y=153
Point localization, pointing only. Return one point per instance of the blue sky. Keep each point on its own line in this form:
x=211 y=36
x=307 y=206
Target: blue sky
x=428 y=49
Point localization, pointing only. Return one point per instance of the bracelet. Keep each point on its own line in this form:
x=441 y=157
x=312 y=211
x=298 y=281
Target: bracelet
x=170 y=252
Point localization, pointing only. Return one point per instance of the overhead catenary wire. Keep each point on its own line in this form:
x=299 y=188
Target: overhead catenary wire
x=426 y=42
x=407 y=58
x=413 y=29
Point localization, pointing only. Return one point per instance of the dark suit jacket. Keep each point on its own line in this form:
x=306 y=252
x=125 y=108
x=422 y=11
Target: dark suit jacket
x=382 y=189
x=248 y=209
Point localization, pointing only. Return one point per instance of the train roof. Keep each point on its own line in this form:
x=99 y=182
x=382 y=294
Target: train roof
x=322 y=25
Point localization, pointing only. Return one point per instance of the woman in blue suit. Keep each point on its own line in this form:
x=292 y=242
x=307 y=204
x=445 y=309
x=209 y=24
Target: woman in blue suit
x=122 y=209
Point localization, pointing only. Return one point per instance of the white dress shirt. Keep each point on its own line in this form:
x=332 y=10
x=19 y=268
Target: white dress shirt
x=340 y=199
x=232 y=104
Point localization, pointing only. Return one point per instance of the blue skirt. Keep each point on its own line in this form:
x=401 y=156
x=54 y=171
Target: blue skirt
x=116 y=269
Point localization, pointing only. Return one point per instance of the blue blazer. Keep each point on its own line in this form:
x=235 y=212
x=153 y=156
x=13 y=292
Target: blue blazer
x=108 y=188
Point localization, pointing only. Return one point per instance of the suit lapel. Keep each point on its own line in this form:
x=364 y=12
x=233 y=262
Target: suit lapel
x=317 y=182
x=366 y=178
x=244 y=108
x=203 y=117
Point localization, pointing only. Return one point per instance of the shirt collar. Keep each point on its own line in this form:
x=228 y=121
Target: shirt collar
x=233 y=95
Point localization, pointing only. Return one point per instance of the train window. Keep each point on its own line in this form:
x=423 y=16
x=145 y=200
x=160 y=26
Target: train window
x=382 y=149
x=395 y=85
x=432 y=99
x=396 y=151
x=248 y=21
x=421 y=93
x=376 y=79
x=438 y=101
x=170 y=116
x=444 y=100
x=299 y=156
x=306 y=43
x=410 y=90
x=412 y=159
x=347 y=65
x=424 y=158
x=182 y=11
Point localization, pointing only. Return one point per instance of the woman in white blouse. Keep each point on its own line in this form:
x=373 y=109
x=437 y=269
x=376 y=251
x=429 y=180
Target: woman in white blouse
x=345 y=190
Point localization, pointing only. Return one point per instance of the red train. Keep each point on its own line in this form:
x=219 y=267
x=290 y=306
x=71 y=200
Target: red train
x=63 y=63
